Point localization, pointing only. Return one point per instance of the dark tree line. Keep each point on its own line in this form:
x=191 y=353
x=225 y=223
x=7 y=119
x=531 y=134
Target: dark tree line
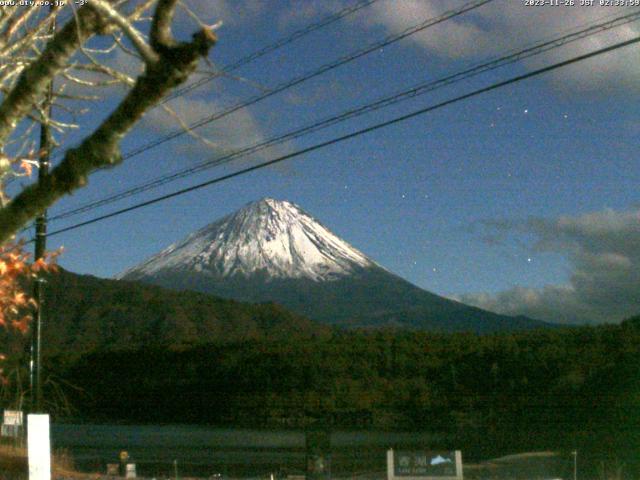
x=556 y=389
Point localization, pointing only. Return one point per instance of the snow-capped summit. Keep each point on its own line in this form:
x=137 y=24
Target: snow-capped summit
x=270 y=237
x=272 y=251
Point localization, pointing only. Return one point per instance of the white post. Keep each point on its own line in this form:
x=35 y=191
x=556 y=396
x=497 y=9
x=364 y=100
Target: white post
x=459 y=473
x=39 y=447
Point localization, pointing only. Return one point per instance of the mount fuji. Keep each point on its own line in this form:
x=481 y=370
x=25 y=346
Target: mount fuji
x=273 y=251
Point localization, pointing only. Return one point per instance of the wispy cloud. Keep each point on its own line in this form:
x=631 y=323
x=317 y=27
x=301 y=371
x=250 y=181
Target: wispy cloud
x=603 y=249
x=308 y=11
x=230 y=12
x=502 y=26
x=214 y=140
x=229 y=133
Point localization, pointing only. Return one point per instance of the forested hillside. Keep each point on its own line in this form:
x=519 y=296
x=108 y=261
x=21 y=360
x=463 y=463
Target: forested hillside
x=549 y=389
x=85 y=313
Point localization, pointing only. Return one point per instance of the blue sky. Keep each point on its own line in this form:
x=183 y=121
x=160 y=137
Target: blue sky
x=522 y=200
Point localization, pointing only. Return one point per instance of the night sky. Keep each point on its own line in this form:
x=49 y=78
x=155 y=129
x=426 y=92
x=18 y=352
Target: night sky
x=521 y=200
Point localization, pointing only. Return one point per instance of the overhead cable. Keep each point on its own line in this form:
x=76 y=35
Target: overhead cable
x=355 y=134
x=384 y=102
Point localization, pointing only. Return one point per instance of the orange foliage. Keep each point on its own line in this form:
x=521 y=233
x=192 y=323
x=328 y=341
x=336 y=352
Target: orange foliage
x=16 y=304
x=26 y=167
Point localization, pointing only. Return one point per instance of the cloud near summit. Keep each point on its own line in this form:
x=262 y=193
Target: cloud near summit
x=603 y=249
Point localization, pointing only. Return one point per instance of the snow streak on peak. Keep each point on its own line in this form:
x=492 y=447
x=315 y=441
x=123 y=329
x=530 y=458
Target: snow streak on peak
x=272 y=237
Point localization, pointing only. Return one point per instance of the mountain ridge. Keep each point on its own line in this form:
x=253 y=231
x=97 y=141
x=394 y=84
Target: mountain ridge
x=272 y=250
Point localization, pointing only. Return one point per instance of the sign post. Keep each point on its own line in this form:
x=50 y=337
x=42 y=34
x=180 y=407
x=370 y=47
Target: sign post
x=39 y=447
x=11 y=424
x=424 y=465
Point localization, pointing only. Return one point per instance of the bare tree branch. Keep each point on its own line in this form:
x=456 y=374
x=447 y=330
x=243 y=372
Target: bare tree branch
x=130 y=31
x=32 y=84
x=161 y=36
x=175 y=62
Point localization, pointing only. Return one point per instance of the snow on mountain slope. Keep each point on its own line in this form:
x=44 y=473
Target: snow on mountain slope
x=268 y=236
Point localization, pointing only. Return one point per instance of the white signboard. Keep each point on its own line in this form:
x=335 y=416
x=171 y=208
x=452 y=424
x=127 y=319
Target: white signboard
x=12 y=417
x=39 y=447
x=131 y=470
x=424 y=465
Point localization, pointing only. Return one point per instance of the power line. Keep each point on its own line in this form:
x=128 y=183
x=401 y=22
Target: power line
x=411 y=93
x=296 y=35
x=308 y=76
x=271 y=48
x=384 y=102
x=251 y=57
x=357 y=133
x=321 y=70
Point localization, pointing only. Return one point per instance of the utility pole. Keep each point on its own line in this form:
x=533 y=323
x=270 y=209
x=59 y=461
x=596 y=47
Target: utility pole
x=38 y=291
x=575 y=464
x=44 y=156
